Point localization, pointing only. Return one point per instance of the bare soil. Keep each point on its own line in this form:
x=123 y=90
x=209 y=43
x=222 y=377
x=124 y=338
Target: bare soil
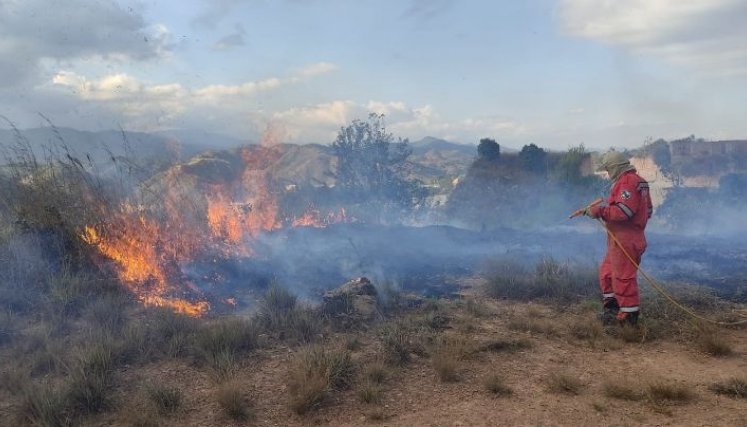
x=414 y=395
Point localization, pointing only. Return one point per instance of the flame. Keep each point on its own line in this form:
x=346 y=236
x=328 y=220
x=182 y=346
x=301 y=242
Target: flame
x=150 y=242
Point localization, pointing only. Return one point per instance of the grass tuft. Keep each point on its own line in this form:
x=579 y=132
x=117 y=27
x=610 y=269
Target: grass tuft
x=660 y=392
x=315 y=372
x=44 y=406
x=562 y=382
x=623 y=391
x=395 y=342
x=233 y=402
x=370 y=392
x=167 y=400
x=496 y=384
x=733 y=387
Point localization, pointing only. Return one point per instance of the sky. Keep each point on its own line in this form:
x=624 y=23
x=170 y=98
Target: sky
x=556 y=73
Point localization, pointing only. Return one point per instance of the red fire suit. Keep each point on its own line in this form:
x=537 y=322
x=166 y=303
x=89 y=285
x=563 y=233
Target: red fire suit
x=626 y=213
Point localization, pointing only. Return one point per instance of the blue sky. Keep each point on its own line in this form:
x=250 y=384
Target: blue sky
x=552 y=72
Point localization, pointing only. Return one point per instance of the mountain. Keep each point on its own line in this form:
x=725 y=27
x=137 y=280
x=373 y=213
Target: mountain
x=101 y=146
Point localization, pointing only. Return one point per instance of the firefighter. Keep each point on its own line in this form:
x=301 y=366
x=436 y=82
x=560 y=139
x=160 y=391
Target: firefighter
x=625 y=213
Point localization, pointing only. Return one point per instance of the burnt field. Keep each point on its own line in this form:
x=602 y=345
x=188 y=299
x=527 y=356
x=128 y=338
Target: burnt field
x=431 y=260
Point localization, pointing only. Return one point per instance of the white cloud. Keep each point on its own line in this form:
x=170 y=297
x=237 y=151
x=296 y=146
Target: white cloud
x=146 y=105
x=707 y=35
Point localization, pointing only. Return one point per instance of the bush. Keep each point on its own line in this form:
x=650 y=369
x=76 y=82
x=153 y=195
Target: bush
x=171 y=332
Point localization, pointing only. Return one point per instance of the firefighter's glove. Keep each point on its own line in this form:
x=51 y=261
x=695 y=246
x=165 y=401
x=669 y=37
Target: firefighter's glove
x=593 y=211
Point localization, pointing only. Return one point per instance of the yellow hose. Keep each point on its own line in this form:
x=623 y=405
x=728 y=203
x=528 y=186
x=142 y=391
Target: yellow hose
x=658 y=288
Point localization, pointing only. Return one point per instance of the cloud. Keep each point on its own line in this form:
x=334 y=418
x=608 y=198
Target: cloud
x=34 y=31
x=707 y=35
x=232 y=40
x=145 y=105
x=426 y=9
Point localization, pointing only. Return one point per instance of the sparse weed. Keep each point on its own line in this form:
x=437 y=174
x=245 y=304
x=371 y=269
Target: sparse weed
x=733 y=387
x=586 y=328
x=233 y=402
x=535 y=325
x=563 y=382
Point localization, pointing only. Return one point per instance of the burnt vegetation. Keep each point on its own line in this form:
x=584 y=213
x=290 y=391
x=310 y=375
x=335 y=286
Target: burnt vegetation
x=80 y=348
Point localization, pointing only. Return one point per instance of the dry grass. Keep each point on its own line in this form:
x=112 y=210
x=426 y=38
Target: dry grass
x=167 y=400
x=223 y=342
x=663 y=392
x=396 y=344
x=623 y=391
x=496 y=384
x=712 y=341
x=370 y=392
x=282 y=316
x=563 y=382
x=733 y=387
x=314 y=372
x=449 y=351
x=375 y=372
x=44 y=405
x=505 y=345
x=550 y=280
x=233 y=402
x=534 y=325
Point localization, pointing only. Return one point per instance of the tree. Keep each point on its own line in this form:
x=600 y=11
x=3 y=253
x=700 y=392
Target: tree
x=370 y=160
x=568 y=168
x=488 y=149
x=533 y=159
